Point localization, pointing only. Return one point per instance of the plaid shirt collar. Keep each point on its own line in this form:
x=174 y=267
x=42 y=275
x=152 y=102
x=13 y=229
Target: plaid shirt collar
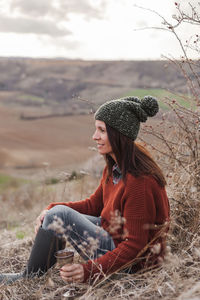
x=117 y=174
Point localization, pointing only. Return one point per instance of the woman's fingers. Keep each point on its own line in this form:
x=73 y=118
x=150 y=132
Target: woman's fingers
x=72 y=272
x=42 y=215
x=40 y=219
x=36 y=228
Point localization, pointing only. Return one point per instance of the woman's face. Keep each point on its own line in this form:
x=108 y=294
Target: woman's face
x=101 y=138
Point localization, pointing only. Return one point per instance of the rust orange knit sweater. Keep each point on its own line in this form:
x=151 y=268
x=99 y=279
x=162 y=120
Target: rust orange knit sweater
x=144 y=206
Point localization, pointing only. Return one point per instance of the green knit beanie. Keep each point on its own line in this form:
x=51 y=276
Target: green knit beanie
x=126 y=114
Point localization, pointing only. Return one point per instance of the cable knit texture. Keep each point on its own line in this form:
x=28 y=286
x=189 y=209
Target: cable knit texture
x=144 y=206
x=126 y=114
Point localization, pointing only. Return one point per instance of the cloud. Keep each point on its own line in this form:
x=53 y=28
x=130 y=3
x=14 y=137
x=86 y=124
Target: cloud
x=46 y=17
x=85 y=8
x=25 y=25
x=59 y=8
x=31 y=8
x=142 y=23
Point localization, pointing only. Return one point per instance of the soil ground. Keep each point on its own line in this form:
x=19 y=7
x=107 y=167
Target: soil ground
x=62 y=142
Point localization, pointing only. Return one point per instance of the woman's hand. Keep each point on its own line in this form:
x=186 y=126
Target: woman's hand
x=40 y=219
x=72 y=273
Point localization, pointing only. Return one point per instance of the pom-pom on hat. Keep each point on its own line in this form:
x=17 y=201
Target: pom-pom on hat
x=125 y=114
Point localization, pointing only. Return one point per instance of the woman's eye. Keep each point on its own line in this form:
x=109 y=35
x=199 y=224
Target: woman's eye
x=102 y=130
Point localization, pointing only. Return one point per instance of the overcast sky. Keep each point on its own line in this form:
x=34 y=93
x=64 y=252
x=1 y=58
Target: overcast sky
x=89 y=29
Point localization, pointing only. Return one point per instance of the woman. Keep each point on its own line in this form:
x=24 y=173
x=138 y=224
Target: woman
x=127 y=216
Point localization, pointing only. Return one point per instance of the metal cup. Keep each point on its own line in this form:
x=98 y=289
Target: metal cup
x=65 y=256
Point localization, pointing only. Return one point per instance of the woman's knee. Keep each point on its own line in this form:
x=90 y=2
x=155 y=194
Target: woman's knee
x=59 y=214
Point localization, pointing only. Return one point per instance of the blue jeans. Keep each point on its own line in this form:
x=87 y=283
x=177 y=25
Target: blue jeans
x=84 y=232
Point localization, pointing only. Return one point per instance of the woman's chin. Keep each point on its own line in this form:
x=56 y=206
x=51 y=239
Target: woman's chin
x=101 y=153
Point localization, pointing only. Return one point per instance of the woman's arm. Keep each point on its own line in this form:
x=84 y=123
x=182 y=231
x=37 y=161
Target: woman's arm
x=141 y=213
x=90 y=206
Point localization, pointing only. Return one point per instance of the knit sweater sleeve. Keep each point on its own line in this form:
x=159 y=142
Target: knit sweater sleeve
x=90 y=206
x=138 y=211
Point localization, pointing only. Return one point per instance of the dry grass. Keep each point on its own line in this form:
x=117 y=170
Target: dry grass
x=178 y=278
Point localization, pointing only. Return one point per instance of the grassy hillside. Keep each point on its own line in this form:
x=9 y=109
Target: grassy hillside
x=57 y=84
x=164 y=96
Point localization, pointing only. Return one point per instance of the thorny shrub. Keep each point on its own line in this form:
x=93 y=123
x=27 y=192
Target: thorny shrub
x=178 y=134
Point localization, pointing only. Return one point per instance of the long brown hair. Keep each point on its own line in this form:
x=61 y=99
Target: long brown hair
x=131 y=157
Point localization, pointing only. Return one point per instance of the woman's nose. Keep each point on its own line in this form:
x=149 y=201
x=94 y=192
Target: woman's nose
x=95 y=135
